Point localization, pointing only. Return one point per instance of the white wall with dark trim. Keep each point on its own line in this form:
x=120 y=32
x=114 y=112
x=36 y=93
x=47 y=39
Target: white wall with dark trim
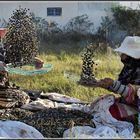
x=94 y=9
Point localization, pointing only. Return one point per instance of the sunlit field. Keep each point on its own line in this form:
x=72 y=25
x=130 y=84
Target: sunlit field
x=109 y=65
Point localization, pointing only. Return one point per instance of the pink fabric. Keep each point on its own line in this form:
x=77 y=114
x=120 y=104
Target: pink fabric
x=130 y=98
x=122 y=106
x=2 y=32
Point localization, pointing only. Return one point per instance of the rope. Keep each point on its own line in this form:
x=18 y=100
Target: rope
x=45 y=69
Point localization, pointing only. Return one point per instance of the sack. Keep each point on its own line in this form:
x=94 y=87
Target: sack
x=89 y=132
x=16 y=129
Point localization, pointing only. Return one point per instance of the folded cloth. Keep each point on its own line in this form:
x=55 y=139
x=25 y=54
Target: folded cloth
x=39 y=104
x=59 y=97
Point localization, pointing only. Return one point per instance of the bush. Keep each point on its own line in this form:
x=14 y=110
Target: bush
x=47 y=32
x=127 y=19
x=79 y=28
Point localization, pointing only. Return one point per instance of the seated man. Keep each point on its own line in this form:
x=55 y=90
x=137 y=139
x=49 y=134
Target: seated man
x=128 y=81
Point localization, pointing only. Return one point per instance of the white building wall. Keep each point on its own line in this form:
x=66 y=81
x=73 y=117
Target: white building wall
x=131 y=4
x=94 y=9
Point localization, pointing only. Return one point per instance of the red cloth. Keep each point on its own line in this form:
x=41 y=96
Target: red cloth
x=2 y=32
x=121 y=114
x=115 y=112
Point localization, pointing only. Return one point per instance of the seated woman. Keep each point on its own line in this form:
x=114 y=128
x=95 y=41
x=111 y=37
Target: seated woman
x=128 y=81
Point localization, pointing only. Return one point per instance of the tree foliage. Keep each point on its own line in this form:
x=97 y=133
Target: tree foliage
x=79 y=28
x=41 y=26
x=80 y=24
x=127 y=18
x=46 y=31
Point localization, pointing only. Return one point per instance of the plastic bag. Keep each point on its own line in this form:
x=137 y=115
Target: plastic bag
x=17 y=129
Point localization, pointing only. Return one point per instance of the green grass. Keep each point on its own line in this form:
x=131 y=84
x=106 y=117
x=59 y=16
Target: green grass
x=54 y=81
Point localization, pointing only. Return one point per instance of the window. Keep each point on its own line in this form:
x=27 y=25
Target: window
x=54 y=11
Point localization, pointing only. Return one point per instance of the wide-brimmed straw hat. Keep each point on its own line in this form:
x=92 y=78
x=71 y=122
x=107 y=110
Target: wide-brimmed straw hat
x=130 y=46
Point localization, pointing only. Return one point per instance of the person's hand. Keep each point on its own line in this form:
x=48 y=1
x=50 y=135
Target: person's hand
x=105 y=83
